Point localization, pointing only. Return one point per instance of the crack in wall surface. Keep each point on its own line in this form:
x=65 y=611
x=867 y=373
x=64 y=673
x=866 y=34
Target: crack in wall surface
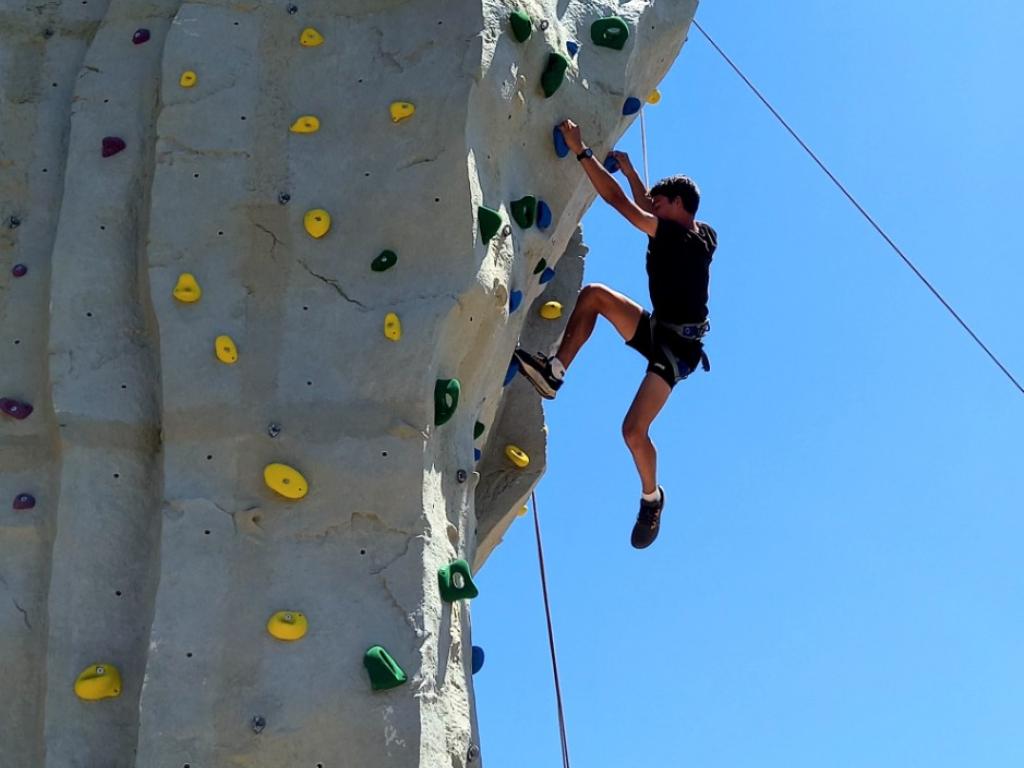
x=333 y=283
x=23 y=612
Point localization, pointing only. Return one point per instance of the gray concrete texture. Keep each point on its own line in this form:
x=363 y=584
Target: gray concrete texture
x=155 y=545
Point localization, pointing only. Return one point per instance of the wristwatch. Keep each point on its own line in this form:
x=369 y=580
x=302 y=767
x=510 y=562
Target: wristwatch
x=588 y=152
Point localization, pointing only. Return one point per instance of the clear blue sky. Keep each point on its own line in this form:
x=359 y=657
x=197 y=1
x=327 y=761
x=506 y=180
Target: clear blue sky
x=838 y=579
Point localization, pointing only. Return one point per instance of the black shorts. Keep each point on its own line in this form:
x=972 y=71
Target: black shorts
x=670 y=356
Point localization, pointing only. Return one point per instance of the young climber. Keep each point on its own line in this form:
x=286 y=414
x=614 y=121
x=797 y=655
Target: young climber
x=679 y=255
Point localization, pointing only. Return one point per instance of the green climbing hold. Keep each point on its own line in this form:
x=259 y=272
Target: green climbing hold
x=490 y=222
x=524 y=211
x=610 y=32
x=386 y=260
x=456 y=582
x=446 y=399
x=540 y=266
x=384 y=670
x=478 y=429
x=522 y=25
x=554 y=73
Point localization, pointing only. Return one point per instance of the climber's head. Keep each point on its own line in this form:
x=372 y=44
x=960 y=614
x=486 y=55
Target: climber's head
x=676 y=197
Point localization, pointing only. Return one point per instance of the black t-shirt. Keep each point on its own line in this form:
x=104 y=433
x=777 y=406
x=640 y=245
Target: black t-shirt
x=678 y=271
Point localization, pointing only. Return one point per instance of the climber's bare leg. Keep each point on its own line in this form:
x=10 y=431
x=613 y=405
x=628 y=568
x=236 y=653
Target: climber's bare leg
x=647 y=404
x=594 y=300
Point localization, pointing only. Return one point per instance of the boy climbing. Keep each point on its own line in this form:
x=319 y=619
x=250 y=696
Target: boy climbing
x=679 y=253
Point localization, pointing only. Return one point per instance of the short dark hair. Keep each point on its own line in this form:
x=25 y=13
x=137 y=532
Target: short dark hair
x=679 y=186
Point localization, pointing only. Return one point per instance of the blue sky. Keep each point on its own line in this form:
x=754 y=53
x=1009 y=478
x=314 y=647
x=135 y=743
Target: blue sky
x=837 y=581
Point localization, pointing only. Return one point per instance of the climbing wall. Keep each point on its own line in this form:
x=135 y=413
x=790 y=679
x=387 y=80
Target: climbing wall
x=262 y=270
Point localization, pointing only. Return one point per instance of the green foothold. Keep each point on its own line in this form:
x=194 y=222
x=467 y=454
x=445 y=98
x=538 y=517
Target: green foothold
x=456 y=582
x=554 y=73
x=490 y=222
x=478 y=429
x=524 y=211
x=541 y=265
x=386 y=260
x=384 y=670
x=610 y=32
x=446 y=399
x=522 y=25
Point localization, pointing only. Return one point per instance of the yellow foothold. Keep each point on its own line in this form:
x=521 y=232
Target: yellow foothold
x=401 y=110
x=517 y=456
x=654 y=96
x=392 y=326
x=317 y=222
x=288 y=625
x=98 y=681
x=522 y=512
x=552 y=310
x=188 y=79
x=306 y=124
x=310 y=38
x=187 y=289
x=286 y=480
x=226 y=350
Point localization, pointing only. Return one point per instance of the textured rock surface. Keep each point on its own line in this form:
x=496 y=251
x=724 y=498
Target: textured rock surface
x=154 y=544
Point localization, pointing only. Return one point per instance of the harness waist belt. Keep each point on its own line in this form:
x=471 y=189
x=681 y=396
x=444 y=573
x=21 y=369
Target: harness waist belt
x=694 y=331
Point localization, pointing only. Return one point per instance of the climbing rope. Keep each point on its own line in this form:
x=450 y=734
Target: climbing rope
x=857 y=205
x=551 y=634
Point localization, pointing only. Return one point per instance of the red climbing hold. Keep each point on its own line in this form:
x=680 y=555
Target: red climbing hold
x=24 y=501
x=19 y=270
x=15 y=408
x=112 y=145
x=141 y=36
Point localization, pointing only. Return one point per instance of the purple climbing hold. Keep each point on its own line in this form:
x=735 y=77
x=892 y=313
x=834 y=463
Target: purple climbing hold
x=631 y=106
x=24 y=501
x=546 y=275
x=112 y=145
x=15 y=408
x=513 y=369
x=141 y=36
x=561 y=148
x=543 y=215
x=572 y=47
x=19 y=270
x=610 y=163
x=514 y=300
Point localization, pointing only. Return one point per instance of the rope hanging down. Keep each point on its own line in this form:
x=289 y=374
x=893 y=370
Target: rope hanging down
x=858 y=206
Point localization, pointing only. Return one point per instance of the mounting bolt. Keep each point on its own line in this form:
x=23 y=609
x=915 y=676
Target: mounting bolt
x=14 y=222
x=47 y=33
x=274 y=430
x=258 y=723
x=293 y=9
x=543 y=25
x=472 y=753
x=506 y=230
x=461 y=476
x=283 y=198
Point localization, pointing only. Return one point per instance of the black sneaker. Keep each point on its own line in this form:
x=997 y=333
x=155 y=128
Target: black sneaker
x=537 y=369
x=645 y=531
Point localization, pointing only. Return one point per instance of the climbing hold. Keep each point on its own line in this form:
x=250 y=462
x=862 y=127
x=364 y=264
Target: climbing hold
x=24 y=501
x=461 y=476
x=310 y=38
x=187 y=289
x=446 y=399
x=522 y=25
x=654 y=96
x=188 y=79
x=478 y=658
x=283 y=198
x=515 y=298
x=490 y=222
x=554 y=73
x=609 y=32
x=383 y=670
x=112 y=145
x=543 y=215
x=477 y=454
x=478 y=429
x=288 y=625
x=98 y=681
x=286 y=480
x=273 y=429
x=517 y=456
x=317 y=222
x=19 y=270
x=15 y=408
x=610 y=163
x=631 y=105
x=546 y=275
x=258 y=723
x=552 y=310
x=513 y=369
x=540 y=266
x=392 y=326
x=141 y=36
x=386 y=260
x=401 y=110
x=306 y=124
x=561 y=148
x=523 y=510
x=226 y=350
x=524 y=211
x=456 y=582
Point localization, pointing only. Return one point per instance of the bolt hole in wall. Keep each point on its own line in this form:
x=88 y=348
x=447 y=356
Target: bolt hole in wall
x=362 y=551
x=117 y=592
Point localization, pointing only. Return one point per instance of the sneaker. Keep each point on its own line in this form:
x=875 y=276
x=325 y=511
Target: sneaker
x=645 y=531
x=537 y=369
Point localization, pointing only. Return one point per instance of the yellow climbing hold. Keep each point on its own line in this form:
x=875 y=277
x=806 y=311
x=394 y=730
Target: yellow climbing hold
x=288 y=625
x=306 y=124
x=654 y=96
x=187 y=289
x=401 y=110
x=310 y=38
x=522 y=511
x=226 y=350
x=98 y=681
x=392 y=326
x=517 y=456
x=552 y=310
x=286 y=480
x=188 y=79
x=317 y=222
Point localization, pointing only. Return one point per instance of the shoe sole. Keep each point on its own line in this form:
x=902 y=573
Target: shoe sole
x=536 y=378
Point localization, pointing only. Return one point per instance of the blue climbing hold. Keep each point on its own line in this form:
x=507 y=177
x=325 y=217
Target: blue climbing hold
x=572 y=47
x=546 y=275
x=610 y=163
x=477 y=453
x=513 y=369
x=631 y=106
x=543 y=215
x=514 y=300
x=561 y=148
x=478 y=658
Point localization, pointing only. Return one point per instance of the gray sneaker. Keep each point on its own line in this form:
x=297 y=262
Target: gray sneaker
x=537 y=368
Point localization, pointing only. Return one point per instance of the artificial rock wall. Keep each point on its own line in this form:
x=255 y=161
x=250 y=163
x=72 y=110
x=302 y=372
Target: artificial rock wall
x=144 y=140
